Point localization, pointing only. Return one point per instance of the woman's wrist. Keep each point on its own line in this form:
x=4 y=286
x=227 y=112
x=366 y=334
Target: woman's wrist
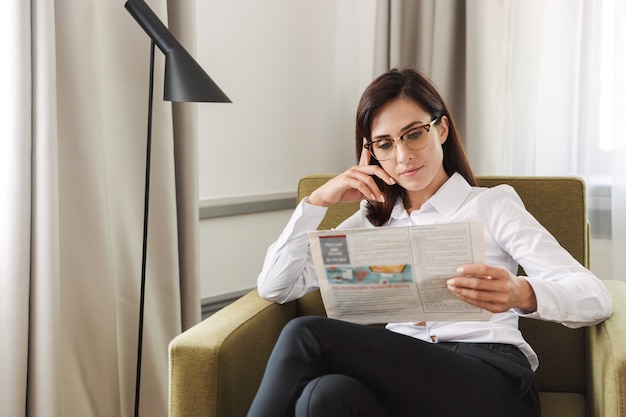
x=528 y=298
x=315 y=200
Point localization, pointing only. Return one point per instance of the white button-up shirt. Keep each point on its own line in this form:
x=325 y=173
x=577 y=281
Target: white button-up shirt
x=566 y=291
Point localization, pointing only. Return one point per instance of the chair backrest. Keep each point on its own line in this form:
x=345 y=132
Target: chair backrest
x=558 y=203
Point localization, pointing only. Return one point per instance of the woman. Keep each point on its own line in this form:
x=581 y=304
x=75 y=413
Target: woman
x=413 y=170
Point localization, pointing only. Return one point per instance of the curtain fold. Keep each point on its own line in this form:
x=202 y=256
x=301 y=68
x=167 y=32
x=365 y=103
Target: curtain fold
x=44 y=344
x=15 y=223
x=72 y=172
x=182 y=24
x=428 y=35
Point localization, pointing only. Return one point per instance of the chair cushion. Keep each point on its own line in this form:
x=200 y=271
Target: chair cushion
x=561 y=404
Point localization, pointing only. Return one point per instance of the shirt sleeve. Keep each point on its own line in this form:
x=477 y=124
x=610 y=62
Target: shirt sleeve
x=288 y=271
x=566 y=291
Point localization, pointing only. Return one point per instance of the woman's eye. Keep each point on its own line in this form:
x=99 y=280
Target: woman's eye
x=383 y=144
x=413 y=135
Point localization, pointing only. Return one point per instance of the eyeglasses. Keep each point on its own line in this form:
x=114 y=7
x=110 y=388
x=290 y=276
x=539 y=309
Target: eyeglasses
x=415 y=139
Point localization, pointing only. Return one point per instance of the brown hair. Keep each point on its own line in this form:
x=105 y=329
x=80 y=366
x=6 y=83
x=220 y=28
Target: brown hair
x=412 y=84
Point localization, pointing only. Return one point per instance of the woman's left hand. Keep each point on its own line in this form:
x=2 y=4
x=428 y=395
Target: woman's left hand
x=493 y=288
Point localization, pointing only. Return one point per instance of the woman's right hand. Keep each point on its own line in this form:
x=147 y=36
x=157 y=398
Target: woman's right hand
x=355 y=184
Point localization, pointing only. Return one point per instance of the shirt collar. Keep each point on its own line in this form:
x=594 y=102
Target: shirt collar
x=447 y=200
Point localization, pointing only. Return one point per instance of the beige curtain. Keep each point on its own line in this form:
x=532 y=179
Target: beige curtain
x=181 y=21
x=72 y=179
x=430 y=36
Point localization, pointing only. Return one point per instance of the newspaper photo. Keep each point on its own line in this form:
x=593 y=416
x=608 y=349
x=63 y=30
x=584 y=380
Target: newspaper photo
x=396 y=274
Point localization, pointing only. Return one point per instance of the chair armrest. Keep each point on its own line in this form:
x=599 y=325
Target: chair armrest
x=217 y=365
x=606 y=359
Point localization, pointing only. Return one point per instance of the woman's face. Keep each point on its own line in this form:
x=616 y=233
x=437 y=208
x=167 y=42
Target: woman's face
x=420 y=173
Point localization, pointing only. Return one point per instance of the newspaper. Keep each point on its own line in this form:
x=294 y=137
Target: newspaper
x=396 y=274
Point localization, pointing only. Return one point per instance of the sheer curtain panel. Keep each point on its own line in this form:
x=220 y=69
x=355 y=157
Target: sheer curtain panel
x=616 y=11
x=72 y=164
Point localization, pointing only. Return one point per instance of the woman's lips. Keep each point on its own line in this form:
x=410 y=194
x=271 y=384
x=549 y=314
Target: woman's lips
x=410 y=172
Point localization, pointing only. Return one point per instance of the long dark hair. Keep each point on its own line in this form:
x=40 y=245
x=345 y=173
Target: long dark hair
x=412 y=84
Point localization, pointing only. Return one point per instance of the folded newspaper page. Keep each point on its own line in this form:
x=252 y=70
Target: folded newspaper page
x=396 y=274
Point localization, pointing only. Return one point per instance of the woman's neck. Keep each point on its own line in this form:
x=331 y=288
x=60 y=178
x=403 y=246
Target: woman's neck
x=413 y=200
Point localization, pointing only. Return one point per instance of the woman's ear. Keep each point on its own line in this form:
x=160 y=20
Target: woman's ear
x=443 y=129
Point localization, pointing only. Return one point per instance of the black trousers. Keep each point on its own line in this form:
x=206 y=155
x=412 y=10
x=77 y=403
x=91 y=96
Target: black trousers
x=324 y=367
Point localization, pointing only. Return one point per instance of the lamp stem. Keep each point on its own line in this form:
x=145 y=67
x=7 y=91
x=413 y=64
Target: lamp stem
x=145 y=232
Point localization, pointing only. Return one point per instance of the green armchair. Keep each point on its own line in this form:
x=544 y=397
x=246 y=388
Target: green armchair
x=216 y=366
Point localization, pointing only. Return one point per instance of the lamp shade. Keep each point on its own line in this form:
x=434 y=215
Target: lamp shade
x=185 y=80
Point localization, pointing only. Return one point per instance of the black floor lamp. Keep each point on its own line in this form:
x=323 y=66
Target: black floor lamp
x=185 y=81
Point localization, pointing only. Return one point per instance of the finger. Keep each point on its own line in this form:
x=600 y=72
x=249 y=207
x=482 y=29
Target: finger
x=469 y=286
x=365 y=160
x=484 y=286
x=354 y=184
x=377 y=171
x=365 y=175
x=366 y=157
x=493 y=307
x=492 y=301
x=480 y=270
x=366 y=185
x=472 y=269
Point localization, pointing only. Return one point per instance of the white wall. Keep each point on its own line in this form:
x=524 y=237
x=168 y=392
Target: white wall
x=294 y=70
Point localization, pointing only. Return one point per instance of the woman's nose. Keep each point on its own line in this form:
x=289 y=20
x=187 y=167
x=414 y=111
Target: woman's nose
x=403 y=153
